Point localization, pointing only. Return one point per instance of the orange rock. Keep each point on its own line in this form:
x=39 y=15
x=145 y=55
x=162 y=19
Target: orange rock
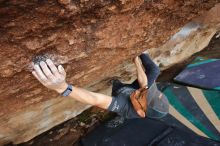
x=94 y=39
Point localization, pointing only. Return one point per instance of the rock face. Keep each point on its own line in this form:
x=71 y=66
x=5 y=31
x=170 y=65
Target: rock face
x=95 y=40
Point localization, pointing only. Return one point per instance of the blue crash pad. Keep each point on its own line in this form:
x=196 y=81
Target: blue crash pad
x=185 y=100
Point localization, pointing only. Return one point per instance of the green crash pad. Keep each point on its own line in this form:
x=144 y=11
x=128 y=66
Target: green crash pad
x=200 y=107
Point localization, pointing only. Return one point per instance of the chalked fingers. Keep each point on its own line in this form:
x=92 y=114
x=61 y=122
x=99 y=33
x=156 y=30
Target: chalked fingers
x=39 y=74
x=38 y=78
x=53 y=68
x=46 y=71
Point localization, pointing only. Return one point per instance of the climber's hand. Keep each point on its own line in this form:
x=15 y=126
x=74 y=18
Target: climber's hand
x=50 y=76
x=137 y=60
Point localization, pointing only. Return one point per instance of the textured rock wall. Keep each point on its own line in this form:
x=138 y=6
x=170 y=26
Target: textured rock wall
x=192 y=38
x=94 y=39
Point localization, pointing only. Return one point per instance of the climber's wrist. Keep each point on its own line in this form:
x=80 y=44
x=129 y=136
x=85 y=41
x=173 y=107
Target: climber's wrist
x=62 y=88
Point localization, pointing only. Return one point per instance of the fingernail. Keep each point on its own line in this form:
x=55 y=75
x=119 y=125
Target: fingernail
x=48 y=60
x=61 y=67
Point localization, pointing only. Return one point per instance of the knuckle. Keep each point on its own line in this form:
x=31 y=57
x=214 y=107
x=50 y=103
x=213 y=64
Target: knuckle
x=45 y=83
x=59 y=77
x=43 y=79
x=60 y=80
x=49 y=83
x=48 y=75
x=54 y=69
x=51 y=65
x=54 y=81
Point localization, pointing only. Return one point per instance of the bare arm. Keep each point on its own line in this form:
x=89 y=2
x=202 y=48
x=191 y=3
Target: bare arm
x=92 y=98
x=141 y=76
x=55 y=78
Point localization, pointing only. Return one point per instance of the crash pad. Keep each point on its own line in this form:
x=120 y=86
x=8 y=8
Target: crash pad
x=193 y=112
x=202 y=73
x=142 y=132
x=198 y=109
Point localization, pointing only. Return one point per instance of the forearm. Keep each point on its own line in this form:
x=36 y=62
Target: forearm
x=87 y=97
x=141 y=76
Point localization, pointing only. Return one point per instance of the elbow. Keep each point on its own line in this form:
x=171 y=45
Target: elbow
x=103 y=102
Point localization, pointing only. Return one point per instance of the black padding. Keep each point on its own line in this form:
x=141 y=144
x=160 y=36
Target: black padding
x=143 y=132
x=180 y=138
x=133 y=132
